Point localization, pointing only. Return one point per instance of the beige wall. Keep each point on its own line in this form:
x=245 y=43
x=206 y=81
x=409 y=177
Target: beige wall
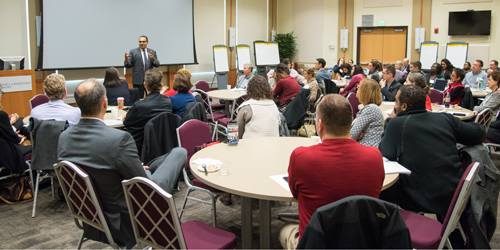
x=393 y=16
x=480 y=47
x=284 y=16
x=13 y=29
x=251 y=23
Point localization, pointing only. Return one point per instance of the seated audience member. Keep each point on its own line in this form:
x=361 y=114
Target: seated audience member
x=54 y=87
x=419 y=80
x=415 y=67
x=435 y=74
x=447 y=68
x=389 y=86
x=116 y=87
x=351 y=62
x=295 y=66
x=247 y=75
x=467 y=67
x=373 y=70
x=321 y=73
x=472 y=78
x=109 y=156
x=346 y=71
x=492 y=100
x=357 y=76
x=286 y=88
x=368 y=126
x=493 y=66
x=435 y=170
x=10 y=143
x=456 y=88
x=141 y=112
x=317 y=174
x=183 y=97
x=338 y=67
x=299 y=78
x=172 y=92
x=399 y=70
x=406 y=65
x=312 y=85
x=258 y=116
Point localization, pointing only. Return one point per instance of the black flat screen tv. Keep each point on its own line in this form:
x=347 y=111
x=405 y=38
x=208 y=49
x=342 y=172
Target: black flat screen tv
x=464 y=23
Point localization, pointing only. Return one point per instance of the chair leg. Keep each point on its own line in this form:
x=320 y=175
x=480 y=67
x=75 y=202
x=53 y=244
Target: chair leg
x=462 y=232
x=184 y=203
x=36 y=194
x=52 y=185
x=80 y=242
x=448 y=244
x=214 y=201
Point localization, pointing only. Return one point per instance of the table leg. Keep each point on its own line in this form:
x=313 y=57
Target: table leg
x=246 y=222
x=265 y=224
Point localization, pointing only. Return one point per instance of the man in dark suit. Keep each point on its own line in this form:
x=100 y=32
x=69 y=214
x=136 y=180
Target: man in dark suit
x=141 y=59
x=141 y=112
x=109 y=156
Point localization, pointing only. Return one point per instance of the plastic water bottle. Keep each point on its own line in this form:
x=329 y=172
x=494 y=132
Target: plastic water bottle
x=232 y=133
x=481 y=84
x=447 y=100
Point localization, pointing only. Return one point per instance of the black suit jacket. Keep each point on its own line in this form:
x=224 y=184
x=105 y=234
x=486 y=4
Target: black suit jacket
x=142 y=111
x=135 y=61
x=109 y=156
x=12 y=157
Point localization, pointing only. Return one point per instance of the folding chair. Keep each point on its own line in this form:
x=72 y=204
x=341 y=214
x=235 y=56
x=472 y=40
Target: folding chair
x=156 y=224
x=37 y=100
x=212 y=117
x=484 y=118
x=436 y=96
x=427 y=233
x=353 y=100
x=191 y=134
x=82 y=199
x=203 y=86
x=235 y=108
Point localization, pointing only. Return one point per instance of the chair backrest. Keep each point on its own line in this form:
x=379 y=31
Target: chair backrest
x=37 y=100
x=467 y=99
x=134 y=95
x=153 y=214
x=207 y=104
x=356 y=222
x=321 y=85
x=202 y=85
x=436 y=96
x=440 y=85
x=330 y=87
x=484 y=118
x=459 y=202
x=297 y=110
x=236 y=106
x=191 y=134
x=81 y=197
x=353 y=100
x=44 y=136
x=160 y=136
x=195 y=110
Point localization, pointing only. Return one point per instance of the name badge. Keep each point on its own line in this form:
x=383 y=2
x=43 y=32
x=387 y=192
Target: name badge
x=431 y=81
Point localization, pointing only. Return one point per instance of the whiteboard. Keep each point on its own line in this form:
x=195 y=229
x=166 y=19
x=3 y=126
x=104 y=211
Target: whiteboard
x=242 y=55
x=428 y=54
x=266 y=53
x=221 y=62
x=457 y=53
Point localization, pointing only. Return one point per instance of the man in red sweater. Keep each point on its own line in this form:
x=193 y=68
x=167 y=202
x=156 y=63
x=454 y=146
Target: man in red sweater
x=334 y=169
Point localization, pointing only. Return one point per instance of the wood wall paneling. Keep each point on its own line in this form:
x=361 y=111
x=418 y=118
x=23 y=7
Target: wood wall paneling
x=18 y=102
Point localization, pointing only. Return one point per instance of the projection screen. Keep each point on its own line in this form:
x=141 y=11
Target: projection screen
x=97 y=33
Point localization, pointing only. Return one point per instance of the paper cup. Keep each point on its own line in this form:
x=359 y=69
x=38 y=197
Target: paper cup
x=121 y=102
x=114 y=113
x=228 y=86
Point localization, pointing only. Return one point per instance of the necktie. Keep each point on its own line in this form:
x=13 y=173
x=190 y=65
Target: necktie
x=146 y=60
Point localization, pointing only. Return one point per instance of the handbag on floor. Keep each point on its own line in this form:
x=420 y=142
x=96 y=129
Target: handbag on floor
x=310 y=126
x=16 y=190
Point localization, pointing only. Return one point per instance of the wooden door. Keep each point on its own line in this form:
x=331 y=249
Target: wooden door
x=371 y=42
x=394 y=46
x=387 y=44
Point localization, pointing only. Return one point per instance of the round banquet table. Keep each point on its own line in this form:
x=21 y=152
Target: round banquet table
x=468 y=113
x=340 y=84
x=107 y=117
x=228 y=95
x=251 y=164
x=477 y=93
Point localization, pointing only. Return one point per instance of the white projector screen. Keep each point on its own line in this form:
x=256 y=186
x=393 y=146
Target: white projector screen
x=97 y=33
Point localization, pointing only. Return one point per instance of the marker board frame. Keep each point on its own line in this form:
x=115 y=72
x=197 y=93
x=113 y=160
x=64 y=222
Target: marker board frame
x=242 y=55
x=221 y=61
x=428 y=53
x=456 y=53
x=266 y=53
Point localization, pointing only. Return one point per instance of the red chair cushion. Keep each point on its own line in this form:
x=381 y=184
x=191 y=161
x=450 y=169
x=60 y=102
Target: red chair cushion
x=425 y=232
x=216 y=116
x=199 y=235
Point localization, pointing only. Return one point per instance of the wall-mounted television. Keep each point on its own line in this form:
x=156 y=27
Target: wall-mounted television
x=464 y=23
